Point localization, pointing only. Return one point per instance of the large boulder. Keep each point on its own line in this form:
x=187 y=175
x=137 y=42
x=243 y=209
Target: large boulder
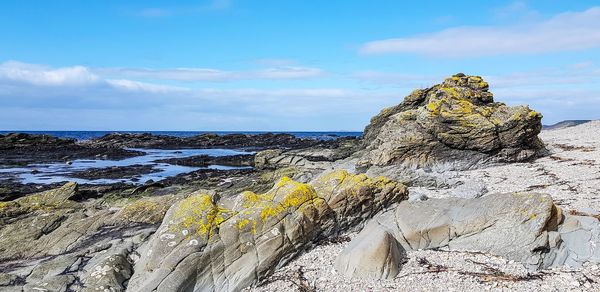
x=207 y=244
x=456 y=122
x=524 y=227
x=375 y=254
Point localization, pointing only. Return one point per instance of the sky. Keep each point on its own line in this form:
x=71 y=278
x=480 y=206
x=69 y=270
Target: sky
x=273 y=65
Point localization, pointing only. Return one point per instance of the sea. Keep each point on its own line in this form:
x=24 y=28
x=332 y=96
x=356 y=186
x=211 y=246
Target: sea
x=48 y=173
x=86 y=135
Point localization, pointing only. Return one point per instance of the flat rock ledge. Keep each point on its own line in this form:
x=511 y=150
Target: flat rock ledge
x=524 y=227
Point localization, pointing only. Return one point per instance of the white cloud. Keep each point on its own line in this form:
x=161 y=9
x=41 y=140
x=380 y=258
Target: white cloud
x=43 y=88
x=129 y=85
x=563 y=32
x=579 y=74
x=288 y=73
x=42 y=75
x=181 y=74
x=207 y=74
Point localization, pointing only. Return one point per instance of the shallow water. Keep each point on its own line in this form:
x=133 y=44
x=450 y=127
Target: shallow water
x=48 y=173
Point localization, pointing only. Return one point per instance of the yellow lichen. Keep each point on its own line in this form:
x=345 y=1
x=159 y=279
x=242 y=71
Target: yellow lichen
x=385 y=111
x=533 y=114
x=296 y=194
x=243 y=223
x=353 y=183
x=451 y=91
x=408 y=115
x=435 y=106
x=198 y=214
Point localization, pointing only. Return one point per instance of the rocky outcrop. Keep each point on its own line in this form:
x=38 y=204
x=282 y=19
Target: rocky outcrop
x=307 y=158
x=456 y=122
x=206 y=160
x=51 y=242
x=276 y=158
x=524 y=227
x=207 y=244
x=22 y=149
x=208 y=140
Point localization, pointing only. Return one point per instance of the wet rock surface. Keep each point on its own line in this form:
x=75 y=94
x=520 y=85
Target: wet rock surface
x=23 y=149
x=116 y=172
x=208 y=140
x=205 y=160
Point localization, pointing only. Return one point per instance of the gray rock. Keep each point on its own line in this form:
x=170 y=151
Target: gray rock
x=306 y=159
x=455 y=122
x=375 y=254
x=524 y=227
x=48 y=242
x=108 y=270
x=204 y=244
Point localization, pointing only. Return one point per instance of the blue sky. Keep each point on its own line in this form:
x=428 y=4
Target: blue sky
x=283 y=65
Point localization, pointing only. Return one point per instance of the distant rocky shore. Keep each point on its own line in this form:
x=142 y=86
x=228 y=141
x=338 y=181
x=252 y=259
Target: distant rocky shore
x=449 y=186
x=21 y=149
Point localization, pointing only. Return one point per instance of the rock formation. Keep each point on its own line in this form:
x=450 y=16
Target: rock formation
x=205 y=244
x=456 y=122
x=23 y=149
x=207 y=140
x=524 y=227
x=50 y=242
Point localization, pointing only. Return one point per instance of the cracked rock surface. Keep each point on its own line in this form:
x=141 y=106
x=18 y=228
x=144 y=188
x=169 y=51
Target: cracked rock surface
x=456 y=122
x=524 y=227
x=206 y=244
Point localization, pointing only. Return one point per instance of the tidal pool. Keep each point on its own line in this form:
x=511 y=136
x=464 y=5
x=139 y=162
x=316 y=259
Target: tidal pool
x=48 y=173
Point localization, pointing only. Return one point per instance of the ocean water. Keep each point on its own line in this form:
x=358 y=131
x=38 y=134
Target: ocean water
x=60 y=172
x=86 y=135
x=48 y=173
